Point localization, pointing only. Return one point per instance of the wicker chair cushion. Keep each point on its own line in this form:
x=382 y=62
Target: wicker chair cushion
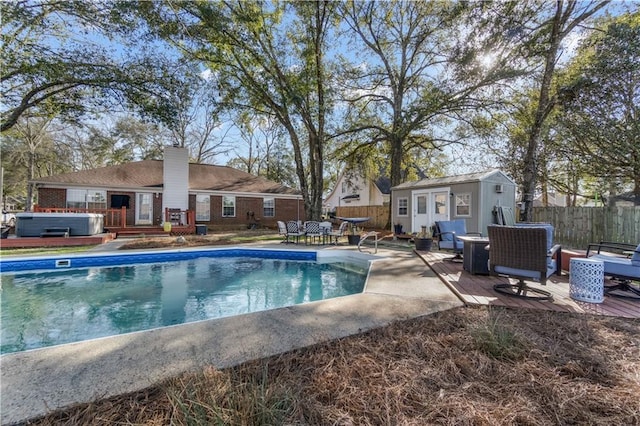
x=534 y=275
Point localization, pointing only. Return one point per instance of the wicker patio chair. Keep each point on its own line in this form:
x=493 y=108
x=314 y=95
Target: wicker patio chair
x=524 y=253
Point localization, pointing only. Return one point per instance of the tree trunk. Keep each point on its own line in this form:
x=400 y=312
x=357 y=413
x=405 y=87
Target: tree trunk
x=545 y=106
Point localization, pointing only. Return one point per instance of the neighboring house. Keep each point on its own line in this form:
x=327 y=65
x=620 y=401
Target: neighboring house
x=353 y=189
x=628 y=199
x=218 y=195
x=471 y=197
x=554 y=199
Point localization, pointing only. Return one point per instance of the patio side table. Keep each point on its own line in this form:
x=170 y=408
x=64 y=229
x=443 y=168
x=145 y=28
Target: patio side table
x=475 y=258
x=586 y=280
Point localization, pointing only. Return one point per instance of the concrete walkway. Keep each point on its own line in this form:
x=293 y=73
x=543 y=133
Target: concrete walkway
x=33 y=383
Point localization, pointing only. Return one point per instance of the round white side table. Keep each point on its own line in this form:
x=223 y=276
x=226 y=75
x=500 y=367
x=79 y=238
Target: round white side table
x=586 y=280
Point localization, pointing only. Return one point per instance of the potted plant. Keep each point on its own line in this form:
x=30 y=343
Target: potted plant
x=354 y=237
x=424 y=239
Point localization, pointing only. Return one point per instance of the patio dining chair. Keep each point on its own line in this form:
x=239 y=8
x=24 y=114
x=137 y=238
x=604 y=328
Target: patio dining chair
x=312 y=231
x=335 y=235
x=294 y=230
x=523 y=253
x=282 y=231
x=325 y=229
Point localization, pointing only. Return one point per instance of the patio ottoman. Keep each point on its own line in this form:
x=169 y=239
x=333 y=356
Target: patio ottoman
x=586 y=280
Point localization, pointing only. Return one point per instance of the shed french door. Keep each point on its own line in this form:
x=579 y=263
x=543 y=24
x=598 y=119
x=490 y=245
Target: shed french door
x=428 y=207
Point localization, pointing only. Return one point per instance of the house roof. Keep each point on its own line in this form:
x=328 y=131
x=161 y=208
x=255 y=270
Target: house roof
x=450 y=180
x=149 y=174
x=629 y=197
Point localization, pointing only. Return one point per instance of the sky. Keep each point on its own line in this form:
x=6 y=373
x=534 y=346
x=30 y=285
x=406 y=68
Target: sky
x=119 y=48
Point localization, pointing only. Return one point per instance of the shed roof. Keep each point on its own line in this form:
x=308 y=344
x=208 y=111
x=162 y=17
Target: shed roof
x=451 y=180
x=149 y=174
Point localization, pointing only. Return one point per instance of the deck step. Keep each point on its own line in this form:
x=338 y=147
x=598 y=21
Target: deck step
x=55 y=232
x=142 y=232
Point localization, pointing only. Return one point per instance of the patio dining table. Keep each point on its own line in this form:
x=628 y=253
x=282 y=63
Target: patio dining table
x=354 y=220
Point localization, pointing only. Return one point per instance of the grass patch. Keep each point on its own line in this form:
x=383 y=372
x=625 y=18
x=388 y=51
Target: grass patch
x=576 y=369
x=47 y=250
x=240 y=396
x=223 y=238
x=498 y=339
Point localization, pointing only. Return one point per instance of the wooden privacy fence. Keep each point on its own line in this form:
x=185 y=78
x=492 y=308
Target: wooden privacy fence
x=380 y=215
x=576 y=227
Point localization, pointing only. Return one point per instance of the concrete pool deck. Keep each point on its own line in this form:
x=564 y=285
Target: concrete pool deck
x=400 y=286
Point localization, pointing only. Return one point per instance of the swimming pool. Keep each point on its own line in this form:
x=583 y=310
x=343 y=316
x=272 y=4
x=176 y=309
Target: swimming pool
x=52 y=301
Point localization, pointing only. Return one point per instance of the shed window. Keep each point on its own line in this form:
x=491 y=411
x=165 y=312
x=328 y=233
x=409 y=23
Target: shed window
x=228 y=206
x=403 y=206
x=463 y=204
x=203 y=208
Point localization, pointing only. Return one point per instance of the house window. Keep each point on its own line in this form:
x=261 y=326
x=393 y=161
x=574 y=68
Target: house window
x=86 y=199
x=403 y=206
x=268 y=207
x=203 y=211
x=463 y=204
x=228 y=206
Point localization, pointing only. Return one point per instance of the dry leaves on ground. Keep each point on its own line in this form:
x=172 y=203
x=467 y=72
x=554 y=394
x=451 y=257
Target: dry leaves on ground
x=476 y=366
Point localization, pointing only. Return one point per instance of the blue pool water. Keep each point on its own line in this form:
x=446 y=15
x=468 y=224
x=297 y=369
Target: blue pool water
x=44 y=308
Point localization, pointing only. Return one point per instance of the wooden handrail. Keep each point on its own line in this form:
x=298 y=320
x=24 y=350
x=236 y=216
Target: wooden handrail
x=111 y=217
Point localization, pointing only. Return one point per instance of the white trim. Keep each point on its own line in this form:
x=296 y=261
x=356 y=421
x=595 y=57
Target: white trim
x=248 y=194
x=159 y=190
x=430 y=214
x=455 y=204
x=235 y=207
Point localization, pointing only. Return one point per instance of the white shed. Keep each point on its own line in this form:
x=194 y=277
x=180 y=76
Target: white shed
x=471 y=196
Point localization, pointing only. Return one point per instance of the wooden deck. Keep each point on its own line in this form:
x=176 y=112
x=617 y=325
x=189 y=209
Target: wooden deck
x=110 y=234
x=31 y=242
x=136 y=231
x=478 y=290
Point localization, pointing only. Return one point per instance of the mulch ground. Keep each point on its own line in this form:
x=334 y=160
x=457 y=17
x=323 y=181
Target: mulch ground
x=467 y=366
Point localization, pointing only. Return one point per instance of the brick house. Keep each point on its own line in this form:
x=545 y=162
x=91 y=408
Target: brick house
x=220 y=196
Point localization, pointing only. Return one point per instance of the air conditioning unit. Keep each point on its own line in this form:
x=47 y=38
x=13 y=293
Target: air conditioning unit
x=499 y=188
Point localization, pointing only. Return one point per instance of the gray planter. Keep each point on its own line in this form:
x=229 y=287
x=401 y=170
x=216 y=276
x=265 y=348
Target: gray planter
x=353 y=239
x=423 y=244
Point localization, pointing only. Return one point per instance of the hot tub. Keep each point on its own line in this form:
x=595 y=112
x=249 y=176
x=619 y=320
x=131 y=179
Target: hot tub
x=31 y=224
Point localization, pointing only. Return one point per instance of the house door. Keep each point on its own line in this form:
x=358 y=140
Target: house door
x=428 y=207
x=144 y=208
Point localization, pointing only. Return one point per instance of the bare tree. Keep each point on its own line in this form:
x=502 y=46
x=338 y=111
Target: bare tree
x=567 y=15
